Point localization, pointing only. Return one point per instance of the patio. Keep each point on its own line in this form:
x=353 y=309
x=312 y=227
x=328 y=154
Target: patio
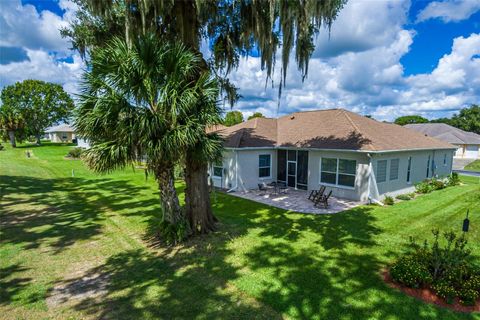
x=296 y=200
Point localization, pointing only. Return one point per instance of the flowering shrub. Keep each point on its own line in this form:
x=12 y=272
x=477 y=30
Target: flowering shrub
x=453 y=179
x=423 y=187
x=448 y=268
x=410 y=272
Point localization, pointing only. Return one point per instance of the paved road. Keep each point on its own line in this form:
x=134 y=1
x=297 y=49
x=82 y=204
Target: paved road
x=468 y=173
x=459 y=164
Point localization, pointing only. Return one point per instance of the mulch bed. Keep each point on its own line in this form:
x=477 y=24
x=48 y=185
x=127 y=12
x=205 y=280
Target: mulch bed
x=428 y=296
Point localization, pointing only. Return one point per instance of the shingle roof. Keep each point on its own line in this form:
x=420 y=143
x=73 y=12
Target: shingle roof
x=446 y=133
x=326 y=129
x=60 y=128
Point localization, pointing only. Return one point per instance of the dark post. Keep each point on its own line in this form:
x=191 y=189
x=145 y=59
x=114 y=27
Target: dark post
x=466 y=223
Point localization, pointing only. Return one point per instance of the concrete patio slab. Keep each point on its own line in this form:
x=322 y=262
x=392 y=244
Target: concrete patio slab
x=296 y=200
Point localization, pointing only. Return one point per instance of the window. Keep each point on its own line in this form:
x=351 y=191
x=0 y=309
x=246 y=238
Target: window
x=264 y=164
x=329 y=171
x=445 y=160
x=282 y=165
x=218 y=169
x=338 y=171
x=381 y=171
x=394 y=164
x=409 y=167
x=428 y=166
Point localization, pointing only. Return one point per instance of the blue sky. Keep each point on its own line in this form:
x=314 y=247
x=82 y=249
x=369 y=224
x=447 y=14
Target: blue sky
x=384 y=58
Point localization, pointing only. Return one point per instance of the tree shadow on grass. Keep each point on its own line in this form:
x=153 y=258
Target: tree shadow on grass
x=59 y=212
x=11 y=285
x=262 y=263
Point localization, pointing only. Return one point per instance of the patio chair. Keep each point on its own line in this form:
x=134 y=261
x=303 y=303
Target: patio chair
x=314 y=194
x=323 y=200
x=282 y=187
x=263 y=187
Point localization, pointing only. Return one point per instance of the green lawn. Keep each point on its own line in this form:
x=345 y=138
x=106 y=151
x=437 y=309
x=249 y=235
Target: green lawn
x=474 y=166
x=79 y=247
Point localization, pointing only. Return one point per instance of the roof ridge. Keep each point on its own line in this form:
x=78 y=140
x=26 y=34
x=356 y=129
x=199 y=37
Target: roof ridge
x=344 y=112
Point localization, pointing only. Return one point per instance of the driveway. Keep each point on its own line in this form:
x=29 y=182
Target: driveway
x=459 y=164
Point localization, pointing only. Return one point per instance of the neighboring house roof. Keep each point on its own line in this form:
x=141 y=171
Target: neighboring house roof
x=446 y=133
x=60 y=128
x=326 y=129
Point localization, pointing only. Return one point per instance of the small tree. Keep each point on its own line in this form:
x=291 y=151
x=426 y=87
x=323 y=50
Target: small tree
x=11 y=123
x=256 y=115
x=410 y=119
x=40 y=103
x=232 y=118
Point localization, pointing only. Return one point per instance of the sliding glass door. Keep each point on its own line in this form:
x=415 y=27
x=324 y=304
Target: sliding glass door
x=292 y=168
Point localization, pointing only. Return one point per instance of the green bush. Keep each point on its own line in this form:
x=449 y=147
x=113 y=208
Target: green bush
x=445 y=290
x=437 y=184
x=404 y=197
x=453 y=179
x=468 y=296
x=75 y=153
x=388 y=200
x=446 y=265
x=411 y=272
x=1 y=147
x=424 y=187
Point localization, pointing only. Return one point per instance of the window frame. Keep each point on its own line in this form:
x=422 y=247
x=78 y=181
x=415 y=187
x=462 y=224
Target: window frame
x=337 y=173
x=216 y=166
x=390 y=169
x=269 y=166
x=428 y=166
x=409 y=170
x=386 y=171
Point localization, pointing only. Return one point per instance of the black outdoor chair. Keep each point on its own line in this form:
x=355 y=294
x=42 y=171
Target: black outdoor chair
x=282 y=187
x=323 y=200
x=314 y=194
x=263 y=187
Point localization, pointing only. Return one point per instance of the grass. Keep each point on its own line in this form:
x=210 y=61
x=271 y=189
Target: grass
x=77 y=247
x=473 y=166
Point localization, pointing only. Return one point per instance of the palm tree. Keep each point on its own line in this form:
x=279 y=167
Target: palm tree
x=11 y=122
x=232 y=28
x=139 y=101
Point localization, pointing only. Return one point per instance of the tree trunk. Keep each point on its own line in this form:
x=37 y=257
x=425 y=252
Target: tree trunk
x=11 y=135
x=172 y=212
x=198 y=208
x=38 y=136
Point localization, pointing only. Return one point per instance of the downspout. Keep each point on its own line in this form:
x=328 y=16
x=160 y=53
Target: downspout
x=236 y=174
x=372 y=198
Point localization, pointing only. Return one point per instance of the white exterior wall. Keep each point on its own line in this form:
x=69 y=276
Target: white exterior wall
x=246 y=168
x=359 y=192
x=58 y=136
x=365 y=184
x=418 y=171
x=82 y=143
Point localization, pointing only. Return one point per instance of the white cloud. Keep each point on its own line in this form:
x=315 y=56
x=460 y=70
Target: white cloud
x=369 y=80
x=449 y=10
x=37 y=34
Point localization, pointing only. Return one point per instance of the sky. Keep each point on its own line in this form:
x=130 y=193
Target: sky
x=384 y=58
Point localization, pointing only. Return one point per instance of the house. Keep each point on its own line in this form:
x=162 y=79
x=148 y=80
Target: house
x=66 y=134
x=357 y=157
x=467 y=143
x=61 y=133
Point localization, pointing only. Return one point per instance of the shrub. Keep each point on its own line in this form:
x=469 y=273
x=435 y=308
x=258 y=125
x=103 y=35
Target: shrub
x=403 y=197
x=388 y=200
x=424 y=187
x=1 y=147
x=453 y=179
x=409 y=271
x=437 y=184
x=468 y=296
x=75 y=153
x=445 y=290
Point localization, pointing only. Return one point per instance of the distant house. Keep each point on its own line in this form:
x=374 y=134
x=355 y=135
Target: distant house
x=61 y=133
x=467 y=143
x=357 y=157
x=66 y=134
